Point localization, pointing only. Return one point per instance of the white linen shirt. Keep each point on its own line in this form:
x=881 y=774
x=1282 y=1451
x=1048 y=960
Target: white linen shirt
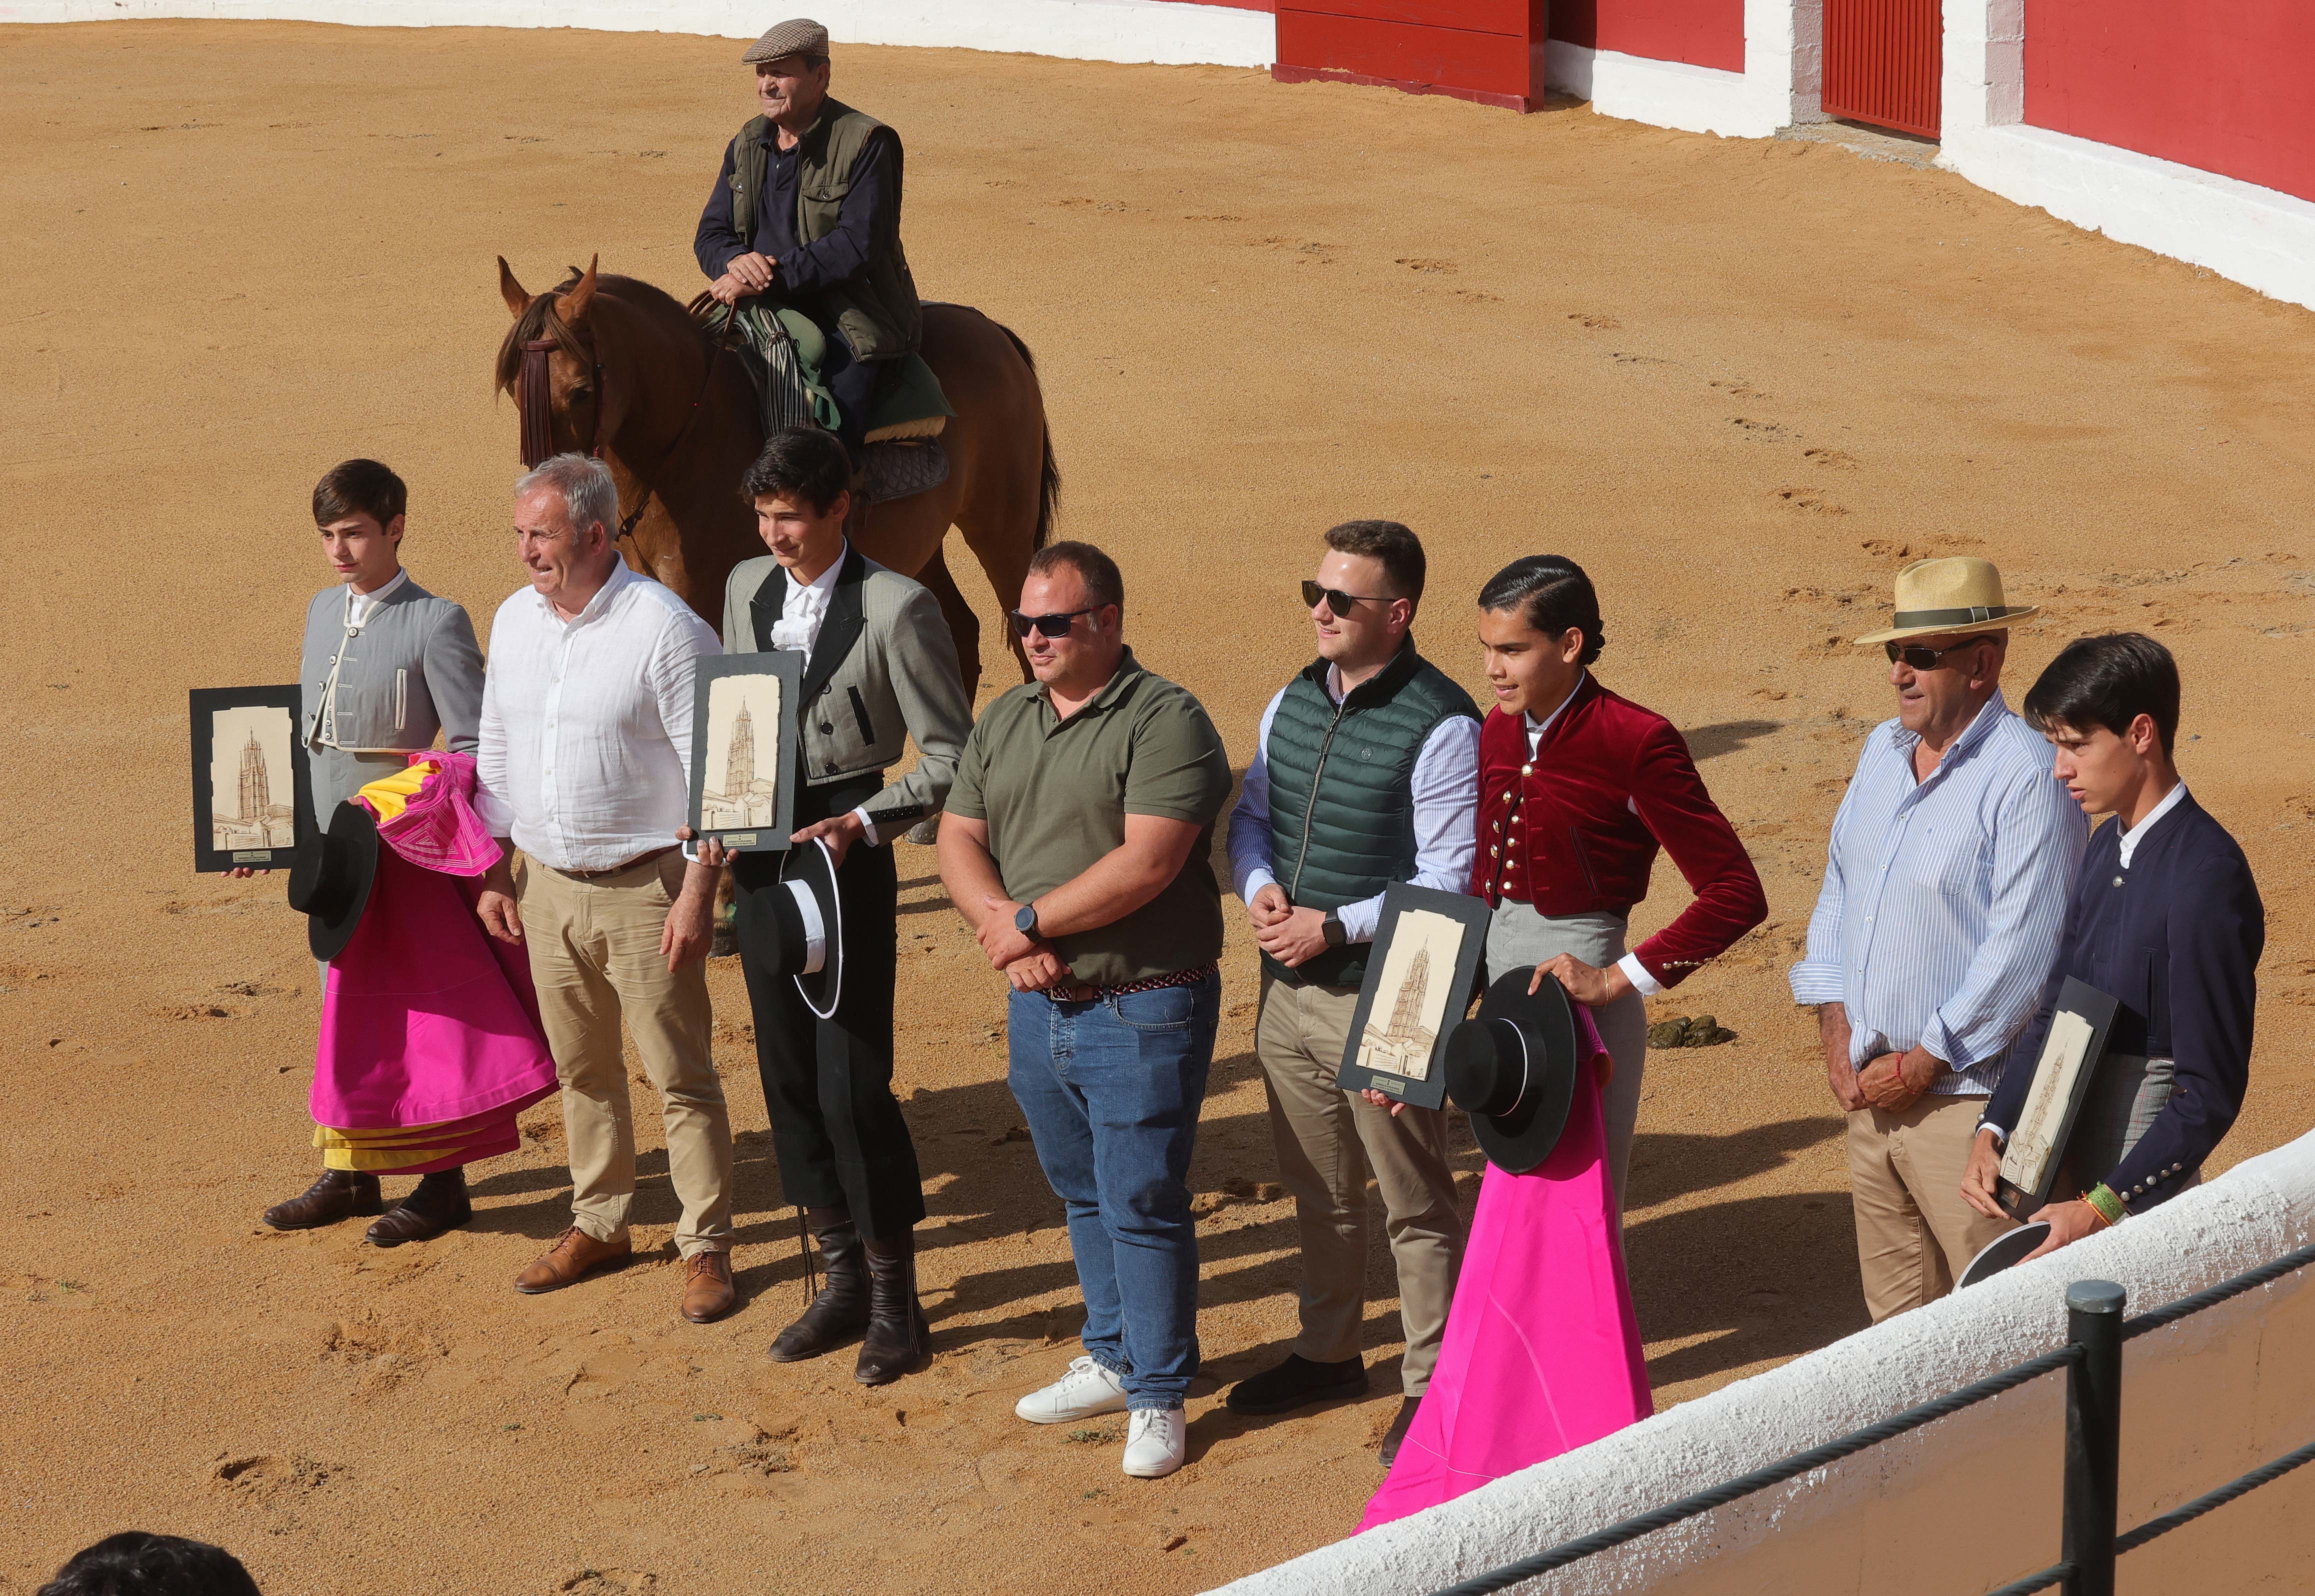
x=586 y=736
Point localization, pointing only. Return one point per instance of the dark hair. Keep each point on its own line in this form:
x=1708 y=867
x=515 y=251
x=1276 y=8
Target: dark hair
x=1104 y=582
x=1552 y=594
x=2108 y=682
x=135 y=1564
x=1395 y=546
x=799 y=463
x=358 y=487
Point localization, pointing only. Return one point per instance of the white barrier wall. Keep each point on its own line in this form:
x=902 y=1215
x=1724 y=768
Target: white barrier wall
x=1168 y=31
x=1783 y=60
x=1964 y=1504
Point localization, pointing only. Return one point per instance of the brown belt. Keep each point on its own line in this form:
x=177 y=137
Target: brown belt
x=1156 y=983
x=660 y=853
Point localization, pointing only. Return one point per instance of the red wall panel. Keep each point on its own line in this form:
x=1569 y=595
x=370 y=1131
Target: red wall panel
x=1700 y=32
x=2224 y=85
x=1502 y=65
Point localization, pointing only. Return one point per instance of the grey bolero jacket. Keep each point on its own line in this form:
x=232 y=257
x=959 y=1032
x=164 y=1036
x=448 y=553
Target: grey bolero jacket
x=883 y=668
x=410 y=670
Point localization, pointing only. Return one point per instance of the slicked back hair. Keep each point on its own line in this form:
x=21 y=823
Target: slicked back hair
x=1394 y=546
x=799 y=463
x=1104 y=582
x=151 y=1566
x=588 y=493
x=2108 y=681
x=358 y=487
x=1551 y=594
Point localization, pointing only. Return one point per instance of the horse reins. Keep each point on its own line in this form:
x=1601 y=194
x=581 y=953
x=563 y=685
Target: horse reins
x=537 y=414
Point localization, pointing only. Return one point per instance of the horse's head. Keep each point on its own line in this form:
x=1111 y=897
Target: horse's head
x=552 y=364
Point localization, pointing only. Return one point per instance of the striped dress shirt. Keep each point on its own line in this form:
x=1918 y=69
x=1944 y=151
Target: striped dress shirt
x=1944 y=899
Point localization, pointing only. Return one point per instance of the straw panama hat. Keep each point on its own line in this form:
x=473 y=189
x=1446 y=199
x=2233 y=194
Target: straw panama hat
x=1955 y=595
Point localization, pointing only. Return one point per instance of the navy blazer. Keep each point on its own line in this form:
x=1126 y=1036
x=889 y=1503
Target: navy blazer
x=2176 y=940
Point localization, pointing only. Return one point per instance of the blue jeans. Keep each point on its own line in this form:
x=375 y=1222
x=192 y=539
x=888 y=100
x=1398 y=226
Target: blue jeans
x=1111 y=1090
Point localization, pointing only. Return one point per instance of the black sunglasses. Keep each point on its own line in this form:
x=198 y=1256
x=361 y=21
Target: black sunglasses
x=1919 y=657
x=1052 y=626
x=1336 y=599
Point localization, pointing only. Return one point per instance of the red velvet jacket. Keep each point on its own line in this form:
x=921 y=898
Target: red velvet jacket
x=1575 y=830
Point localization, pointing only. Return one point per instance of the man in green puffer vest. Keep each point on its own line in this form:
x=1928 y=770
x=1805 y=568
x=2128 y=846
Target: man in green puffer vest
x=1366 y=773
x=806 y=213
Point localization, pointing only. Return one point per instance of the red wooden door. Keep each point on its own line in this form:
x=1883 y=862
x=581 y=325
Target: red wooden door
x=1883 y=60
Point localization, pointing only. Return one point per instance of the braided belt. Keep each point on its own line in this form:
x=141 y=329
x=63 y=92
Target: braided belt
x=1156 y=983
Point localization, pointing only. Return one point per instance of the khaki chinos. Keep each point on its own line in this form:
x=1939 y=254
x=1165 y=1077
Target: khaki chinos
x=1915 y=1235
x=1327 y=1139
x=594 y=944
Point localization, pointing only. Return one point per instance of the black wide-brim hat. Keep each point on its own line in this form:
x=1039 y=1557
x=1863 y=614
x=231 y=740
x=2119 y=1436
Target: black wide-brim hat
x=1512 y=1067
x=330 y=877
x=807 y=926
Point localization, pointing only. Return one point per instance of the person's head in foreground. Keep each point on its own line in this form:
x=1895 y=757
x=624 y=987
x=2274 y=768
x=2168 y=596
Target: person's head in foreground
x=800 y=489
x=1362 y=601
x=564 y=515
x=359 y=506
x=2109 y=706
x=792 y=71
x=136 y=1563
x=1538 y=630
x=1071 y=622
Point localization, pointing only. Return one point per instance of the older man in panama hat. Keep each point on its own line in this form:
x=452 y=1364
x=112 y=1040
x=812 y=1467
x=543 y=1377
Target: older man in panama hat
x=1945 y=893
x=806 y=214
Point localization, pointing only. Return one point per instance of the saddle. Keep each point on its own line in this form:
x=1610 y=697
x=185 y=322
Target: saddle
x=902 y=454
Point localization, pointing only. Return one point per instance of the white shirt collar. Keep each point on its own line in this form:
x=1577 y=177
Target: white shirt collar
x=621 y=574
x=359 y=605
x=1536 y=729
x=816 y=591
x=2131 y=834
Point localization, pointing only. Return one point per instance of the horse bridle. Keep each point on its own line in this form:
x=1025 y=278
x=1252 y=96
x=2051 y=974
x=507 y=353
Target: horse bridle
x=536 y=406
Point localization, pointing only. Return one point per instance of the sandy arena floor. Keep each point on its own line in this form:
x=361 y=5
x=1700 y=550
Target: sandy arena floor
x=1741 y=381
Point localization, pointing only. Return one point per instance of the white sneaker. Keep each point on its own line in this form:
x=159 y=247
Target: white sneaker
x=1086 y=1389
x=1156 y=1439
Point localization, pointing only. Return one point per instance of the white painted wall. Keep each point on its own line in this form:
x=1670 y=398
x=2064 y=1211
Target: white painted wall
x=1160 y=31
x=1964 y=1504
x=1779 y=86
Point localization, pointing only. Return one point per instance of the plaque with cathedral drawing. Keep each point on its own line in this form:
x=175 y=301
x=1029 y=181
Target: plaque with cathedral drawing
x=743 y=749
x=249 y=777
x=1422 y=973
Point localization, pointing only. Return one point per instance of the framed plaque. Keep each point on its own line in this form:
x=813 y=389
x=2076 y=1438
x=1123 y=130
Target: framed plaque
x=250 y=800
x=1421 y=978
x=744 y=749
x=2070 y=1058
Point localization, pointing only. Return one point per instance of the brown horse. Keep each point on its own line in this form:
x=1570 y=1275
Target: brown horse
x=634 y=379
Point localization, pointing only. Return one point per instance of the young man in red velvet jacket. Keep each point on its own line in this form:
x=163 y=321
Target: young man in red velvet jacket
x=1578 y=789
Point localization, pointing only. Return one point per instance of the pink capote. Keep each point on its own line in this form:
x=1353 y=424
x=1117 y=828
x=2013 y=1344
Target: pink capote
x=1542 y=1349
x=426 y=1017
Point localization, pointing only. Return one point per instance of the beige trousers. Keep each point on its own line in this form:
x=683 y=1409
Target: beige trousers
x=594 y=954
x=1914 y=1233
x=1327 y=1140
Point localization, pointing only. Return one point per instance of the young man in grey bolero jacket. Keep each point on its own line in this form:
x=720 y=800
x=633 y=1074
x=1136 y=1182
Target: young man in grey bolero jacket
x=386 y=666
x=880 y=666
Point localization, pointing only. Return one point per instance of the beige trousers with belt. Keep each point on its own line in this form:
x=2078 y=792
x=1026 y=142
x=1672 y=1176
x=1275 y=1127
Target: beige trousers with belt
x=1914 y=1233
x=1327 y=1139
x=594 y=955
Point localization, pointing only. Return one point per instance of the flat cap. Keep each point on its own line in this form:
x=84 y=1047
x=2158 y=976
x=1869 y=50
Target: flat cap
x=800 y=36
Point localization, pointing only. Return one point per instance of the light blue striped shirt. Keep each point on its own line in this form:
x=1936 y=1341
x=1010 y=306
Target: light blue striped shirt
x=1944 y=899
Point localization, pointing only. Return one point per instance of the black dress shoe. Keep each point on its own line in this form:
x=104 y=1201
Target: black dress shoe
x=339 y=1194
x=839 y=1312
x=438 y=1203
x=1398 y=1429
x=899 y=1341
x=1297 y=1383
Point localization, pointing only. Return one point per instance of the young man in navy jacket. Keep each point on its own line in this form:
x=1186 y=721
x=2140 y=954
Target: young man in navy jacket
x=2164 y=917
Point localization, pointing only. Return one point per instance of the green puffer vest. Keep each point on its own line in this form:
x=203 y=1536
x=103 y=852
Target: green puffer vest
x=877 y=312
x=1342 y=793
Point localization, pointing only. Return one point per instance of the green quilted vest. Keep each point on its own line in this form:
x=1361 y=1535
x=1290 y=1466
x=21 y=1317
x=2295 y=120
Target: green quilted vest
x=877 y=312
x=1342 y=792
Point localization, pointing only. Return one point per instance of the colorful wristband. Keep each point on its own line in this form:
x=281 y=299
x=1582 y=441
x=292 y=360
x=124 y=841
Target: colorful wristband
x=2105 y=1203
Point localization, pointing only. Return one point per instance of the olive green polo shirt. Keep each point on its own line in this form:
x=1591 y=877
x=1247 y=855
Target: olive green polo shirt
x=1055 y=795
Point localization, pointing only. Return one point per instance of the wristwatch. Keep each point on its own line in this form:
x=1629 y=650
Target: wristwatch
x=1025 y=921
x=1331 y=928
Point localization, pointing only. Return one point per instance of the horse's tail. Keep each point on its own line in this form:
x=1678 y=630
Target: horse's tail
x=1049 y=481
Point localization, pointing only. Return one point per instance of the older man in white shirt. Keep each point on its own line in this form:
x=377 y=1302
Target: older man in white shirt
x=586 y=746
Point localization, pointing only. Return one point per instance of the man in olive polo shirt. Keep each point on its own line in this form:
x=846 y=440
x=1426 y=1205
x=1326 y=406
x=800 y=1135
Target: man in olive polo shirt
x=1077 y=842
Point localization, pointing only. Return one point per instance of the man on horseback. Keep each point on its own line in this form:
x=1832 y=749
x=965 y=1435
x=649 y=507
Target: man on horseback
x=805 y=216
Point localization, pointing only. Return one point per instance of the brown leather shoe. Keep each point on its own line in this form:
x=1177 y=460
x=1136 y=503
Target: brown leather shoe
x=439 y=1204
x=708 y=1293
x=339 y=1194
x=573 y=1254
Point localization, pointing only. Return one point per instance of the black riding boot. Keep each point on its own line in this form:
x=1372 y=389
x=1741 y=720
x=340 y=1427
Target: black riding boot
x=899 y=1340
x=840 y=1310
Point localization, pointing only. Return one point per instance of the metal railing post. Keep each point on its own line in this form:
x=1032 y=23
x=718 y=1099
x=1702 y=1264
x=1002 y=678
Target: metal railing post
x=2093 y=1436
